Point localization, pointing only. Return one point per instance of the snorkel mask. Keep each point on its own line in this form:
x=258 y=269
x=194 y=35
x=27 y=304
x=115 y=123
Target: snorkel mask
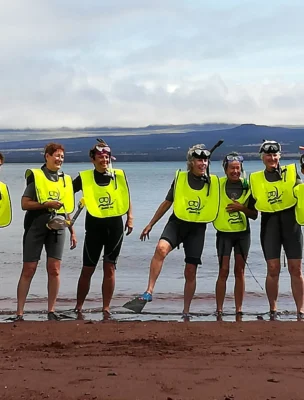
x=270 y=146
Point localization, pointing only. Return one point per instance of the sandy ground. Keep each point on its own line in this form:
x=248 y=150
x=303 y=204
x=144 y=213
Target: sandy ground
x=155 y=360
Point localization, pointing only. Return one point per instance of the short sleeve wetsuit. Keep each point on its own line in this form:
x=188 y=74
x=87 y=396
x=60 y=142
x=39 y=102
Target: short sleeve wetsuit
x=36 y=234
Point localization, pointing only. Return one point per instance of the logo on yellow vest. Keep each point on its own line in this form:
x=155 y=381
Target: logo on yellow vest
x=274 y=196
x=54 y=195
x=235 y=218
x=106 y=202
x=194 y=207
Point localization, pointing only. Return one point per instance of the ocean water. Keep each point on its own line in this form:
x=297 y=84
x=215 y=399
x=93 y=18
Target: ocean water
x=149 y=183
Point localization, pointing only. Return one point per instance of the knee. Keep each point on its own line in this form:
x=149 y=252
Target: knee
x=190 y=272
x=295 y=270
x=28 y=271
x=273 y=270
x=223 y=274
x=108 y=270
x=161 y=251
x=54 y=271
x=239 y=272
x=87 y=272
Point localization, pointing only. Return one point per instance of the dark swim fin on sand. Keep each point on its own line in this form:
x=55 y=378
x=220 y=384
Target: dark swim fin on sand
x=137 y=304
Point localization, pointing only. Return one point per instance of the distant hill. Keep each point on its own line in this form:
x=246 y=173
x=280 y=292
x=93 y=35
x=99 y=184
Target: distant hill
x=152 y=143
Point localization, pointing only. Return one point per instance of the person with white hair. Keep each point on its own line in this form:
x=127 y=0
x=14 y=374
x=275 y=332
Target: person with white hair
x=194 y=195
x=273 y=191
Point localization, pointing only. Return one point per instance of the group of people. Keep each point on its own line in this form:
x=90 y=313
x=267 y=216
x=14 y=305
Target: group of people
x=198 y=198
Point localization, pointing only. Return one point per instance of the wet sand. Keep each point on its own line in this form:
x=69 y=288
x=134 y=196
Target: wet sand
x=154 y=360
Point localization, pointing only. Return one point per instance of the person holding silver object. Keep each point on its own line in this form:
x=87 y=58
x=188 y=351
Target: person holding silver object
x=107 y=199
x=49 y=191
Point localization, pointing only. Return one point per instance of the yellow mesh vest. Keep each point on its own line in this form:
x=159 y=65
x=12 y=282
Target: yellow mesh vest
x=233 y=221
x=274 y=196
x=5 y=206
x=195 y=205
x=299 y=209
x=47 y=190
x=106 y=201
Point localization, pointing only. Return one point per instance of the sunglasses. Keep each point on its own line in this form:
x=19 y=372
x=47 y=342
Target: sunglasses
x=201 y=153
x=234 y=158
x=302 y=159
x=270 y=148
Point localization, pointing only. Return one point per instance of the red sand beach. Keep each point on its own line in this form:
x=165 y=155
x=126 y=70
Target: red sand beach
x=154 y=360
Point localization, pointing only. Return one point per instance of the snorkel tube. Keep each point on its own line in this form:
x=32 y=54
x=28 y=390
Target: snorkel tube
x=218 y=144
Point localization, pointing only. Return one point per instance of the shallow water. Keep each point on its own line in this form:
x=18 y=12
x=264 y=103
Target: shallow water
x=149 y=183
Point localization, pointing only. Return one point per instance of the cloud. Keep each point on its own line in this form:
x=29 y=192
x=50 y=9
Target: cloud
x=134 y=63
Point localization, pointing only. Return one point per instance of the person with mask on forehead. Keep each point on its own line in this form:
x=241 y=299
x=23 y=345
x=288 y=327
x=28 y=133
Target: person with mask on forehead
x=233 y=230
x=273 y=191
x=194 y=195
x=48 y=192
x=107 y=199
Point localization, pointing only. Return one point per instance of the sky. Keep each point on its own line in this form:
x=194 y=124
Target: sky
x=133 y=63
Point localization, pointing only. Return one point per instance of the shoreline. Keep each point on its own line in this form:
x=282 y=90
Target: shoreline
x=152 y=360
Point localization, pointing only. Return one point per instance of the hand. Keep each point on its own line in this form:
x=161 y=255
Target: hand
x=73 y=241
x=145 y=233
x=53 y=204
x=235 y=206
x=129 y=226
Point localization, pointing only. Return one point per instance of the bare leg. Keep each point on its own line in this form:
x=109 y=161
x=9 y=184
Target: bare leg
x=28 y=271
x=163 y=248
x=190 y=285
x=272 y=282
x=53 y=270
x=239 y=287
x=295 y=270
x=220 y=287
x=83 y=287
x=108 y=285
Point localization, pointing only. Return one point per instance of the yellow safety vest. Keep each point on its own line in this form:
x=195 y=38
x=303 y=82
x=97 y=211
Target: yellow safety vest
x=299 y=209
x=5 y=206
x=195 y=205
x=106 y=201
x=235 y=221
x=47 y=190
x=274 y=196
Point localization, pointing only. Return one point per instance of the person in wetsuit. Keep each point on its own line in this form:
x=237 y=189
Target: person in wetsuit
x=233 y=230
x=273 y=191
x=107 y=199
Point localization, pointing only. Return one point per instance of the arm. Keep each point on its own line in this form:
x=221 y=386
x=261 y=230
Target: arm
x=129 y=221
x=29 y=199
x=249 y=210
x=28 y=204
x=160 y=212
x=73 y=240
